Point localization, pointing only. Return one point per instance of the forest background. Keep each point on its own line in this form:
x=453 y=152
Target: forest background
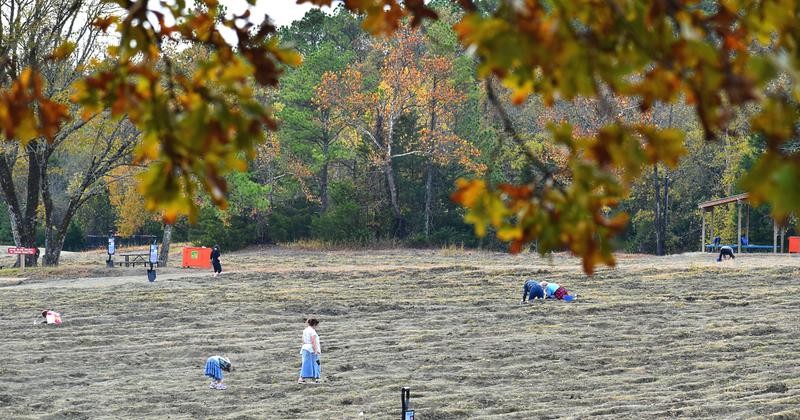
x=327 y=174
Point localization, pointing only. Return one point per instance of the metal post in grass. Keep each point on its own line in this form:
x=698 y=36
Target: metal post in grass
x=151 y=273
x=405 y=397
x=111 y=250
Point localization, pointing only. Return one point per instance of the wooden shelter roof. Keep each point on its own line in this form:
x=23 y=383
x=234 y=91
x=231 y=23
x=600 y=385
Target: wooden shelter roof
x=720 y=201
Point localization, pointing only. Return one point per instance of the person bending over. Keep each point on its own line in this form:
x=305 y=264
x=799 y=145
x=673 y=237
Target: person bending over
x=556 y=291
x=532 y=290
x=725 y=252
x=214 y=367
x=51 y=317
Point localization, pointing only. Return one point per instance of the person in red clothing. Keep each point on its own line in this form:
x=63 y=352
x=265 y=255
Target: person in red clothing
x=556 y=291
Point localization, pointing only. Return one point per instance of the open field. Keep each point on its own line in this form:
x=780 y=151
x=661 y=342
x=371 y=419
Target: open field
x=679 y=336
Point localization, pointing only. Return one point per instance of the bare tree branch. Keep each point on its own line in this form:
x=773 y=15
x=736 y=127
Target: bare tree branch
x=545 y=173
x=415 y=152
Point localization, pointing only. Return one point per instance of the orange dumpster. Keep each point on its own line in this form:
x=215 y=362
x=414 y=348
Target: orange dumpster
x=196 y=257
x=794 y=244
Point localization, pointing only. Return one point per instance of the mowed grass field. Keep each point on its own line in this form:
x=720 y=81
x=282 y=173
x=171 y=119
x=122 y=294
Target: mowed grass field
x=679 y=336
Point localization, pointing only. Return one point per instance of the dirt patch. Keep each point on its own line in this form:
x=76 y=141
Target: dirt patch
x=679 y=336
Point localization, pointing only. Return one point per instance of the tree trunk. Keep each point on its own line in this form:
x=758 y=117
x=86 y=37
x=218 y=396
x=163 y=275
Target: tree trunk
x=323 y=178
x=165 y=242
x=399 y=225
x=54 y=231
x=32 y=202
x=390 y=181
x=657 y=212
x=53 y=244
x=429 y=164
x=428 y=196
x=14 y=218
x=23 y=230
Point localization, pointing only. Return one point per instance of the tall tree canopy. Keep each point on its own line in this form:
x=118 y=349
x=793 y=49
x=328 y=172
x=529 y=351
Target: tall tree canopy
x=723 y=59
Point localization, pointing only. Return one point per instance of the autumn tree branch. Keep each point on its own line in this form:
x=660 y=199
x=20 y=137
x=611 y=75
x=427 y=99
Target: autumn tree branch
x=545 y=174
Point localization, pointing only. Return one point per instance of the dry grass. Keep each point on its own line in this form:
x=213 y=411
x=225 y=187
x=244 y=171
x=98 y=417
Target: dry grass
x=657 y=337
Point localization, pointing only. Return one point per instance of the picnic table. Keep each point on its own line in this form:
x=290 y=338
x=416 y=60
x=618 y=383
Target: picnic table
x=133 y=258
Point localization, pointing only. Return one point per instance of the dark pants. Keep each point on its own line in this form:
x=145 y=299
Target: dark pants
x=532 y=290
x=725 y=252
x=217 y=266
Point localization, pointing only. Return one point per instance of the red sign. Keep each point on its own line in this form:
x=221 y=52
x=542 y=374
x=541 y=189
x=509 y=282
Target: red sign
x=21 y=250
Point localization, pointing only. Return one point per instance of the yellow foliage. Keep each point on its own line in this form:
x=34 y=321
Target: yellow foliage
x=128 y=203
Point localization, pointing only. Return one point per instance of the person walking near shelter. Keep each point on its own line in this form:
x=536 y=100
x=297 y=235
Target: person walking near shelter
x=215 y=260
x=309 y=353
x=532 y=290
x=214 y=367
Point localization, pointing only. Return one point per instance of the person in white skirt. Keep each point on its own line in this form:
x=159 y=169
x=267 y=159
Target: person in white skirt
x=309 y=352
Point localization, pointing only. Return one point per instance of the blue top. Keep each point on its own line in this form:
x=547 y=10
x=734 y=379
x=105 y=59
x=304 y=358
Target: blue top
x=551 y=288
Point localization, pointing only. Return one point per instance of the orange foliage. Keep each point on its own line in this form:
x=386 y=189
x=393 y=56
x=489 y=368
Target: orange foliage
x=26 y=113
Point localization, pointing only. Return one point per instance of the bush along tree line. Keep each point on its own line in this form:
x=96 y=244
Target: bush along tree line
x=558 y=125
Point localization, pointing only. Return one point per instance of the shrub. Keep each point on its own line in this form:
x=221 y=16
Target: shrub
x=235 y=233
x=454 y=235
x=290 y=222
x=74 y=238
x=642 y=233
x=5 y=228
x=343 y=222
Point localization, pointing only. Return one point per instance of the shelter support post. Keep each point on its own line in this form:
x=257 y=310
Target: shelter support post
x=703 y=231
x=774 y=237
x=711 y=227
x=747 y=228
x=739 y=228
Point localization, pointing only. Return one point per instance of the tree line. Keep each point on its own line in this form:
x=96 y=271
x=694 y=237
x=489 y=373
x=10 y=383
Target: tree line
x=365 y=141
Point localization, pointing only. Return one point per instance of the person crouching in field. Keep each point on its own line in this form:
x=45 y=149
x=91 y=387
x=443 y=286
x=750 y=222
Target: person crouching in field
x=556 y=291
x=215 y=261
x=214 y=367
x=309 y=352
x=725 y=252
x=51 y=317
x=532 y=290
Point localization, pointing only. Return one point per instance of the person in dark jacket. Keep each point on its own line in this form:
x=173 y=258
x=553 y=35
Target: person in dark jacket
x=532 y=290
x=725 y=252
x=215 y=260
